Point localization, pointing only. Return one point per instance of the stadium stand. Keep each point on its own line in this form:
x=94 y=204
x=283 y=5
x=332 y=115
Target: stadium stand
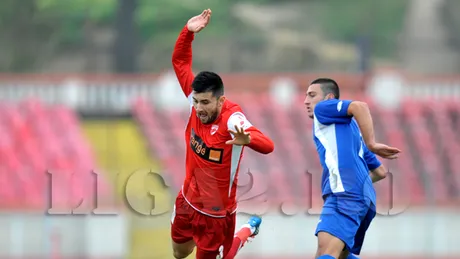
x=37 y=141
x=424 y=130
x=36 y=137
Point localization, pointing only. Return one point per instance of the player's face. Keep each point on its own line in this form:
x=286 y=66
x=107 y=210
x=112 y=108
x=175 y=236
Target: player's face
x=207 y=106
x=314 y=95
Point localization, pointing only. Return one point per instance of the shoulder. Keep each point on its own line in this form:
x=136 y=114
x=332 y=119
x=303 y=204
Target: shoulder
x=231 y=107
x=335 y=103
x=236 y=117
x=230 y=110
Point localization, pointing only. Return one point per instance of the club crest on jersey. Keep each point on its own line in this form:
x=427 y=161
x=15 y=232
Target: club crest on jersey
x=241 y=121
x=214 y=129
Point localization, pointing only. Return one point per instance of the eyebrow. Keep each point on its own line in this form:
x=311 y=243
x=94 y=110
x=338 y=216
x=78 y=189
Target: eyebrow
x=200 y=100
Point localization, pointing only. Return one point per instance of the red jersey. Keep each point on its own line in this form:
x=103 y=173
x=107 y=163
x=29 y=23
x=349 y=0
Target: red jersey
x=211 y=165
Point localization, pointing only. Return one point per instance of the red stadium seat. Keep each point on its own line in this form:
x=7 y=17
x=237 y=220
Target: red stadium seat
x=402 y=169
x=448 y=146
x=37 y=141
x=424 y=147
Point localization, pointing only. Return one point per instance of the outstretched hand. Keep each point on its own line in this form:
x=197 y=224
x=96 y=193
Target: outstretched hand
x=199 y=22
x=384 y=151
x=240 y=137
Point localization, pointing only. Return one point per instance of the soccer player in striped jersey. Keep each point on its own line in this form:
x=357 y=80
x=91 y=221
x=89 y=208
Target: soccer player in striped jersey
x=344 y=138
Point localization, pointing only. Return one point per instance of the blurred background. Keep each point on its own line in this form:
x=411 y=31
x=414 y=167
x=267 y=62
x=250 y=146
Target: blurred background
x=92 y=118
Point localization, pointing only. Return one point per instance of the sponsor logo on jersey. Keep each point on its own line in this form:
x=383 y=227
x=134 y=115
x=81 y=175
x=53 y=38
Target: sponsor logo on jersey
x=214 y=155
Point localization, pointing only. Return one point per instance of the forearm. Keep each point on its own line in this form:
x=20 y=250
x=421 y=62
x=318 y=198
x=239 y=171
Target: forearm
x=260 y=143
x=378 y=174
x=182 y=60
x=182 y=53
x=360 y=111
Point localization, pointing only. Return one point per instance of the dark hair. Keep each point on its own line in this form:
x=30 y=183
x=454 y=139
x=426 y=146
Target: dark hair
x=208 y=82
x=328 y=86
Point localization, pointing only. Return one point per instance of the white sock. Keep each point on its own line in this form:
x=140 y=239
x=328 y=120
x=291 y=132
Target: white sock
x=253 y=229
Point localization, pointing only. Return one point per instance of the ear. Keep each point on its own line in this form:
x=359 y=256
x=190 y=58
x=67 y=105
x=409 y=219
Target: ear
x=221 y=100
x=329 y=96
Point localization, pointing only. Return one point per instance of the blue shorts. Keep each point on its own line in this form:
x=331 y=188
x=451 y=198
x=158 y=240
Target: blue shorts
x=347 y=219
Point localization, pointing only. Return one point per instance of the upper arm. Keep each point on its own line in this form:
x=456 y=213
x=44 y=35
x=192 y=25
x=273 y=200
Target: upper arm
x=333 y=111
x=185 y=77
x=238 y=119
x=182 y=60
x=355 y=106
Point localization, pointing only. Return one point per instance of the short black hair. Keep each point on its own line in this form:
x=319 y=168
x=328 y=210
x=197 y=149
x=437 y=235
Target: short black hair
x=329 y=86
x=207 y=81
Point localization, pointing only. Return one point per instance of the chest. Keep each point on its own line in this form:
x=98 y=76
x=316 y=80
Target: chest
x=212 y=135
x=208 y=141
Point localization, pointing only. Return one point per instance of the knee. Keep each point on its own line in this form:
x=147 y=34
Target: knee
x=345 y=255
x=329 y=245
x=181 y=254
x=182 y=250
x=325 y=248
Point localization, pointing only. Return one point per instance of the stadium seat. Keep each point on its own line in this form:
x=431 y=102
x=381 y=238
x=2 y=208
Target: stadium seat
x=39 y=141
x=447 y=148
x=424 y=141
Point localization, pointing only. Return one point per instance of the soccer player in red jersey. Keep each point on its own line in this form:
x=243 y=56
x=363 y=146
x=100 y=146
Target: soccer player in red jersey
x=216 y=133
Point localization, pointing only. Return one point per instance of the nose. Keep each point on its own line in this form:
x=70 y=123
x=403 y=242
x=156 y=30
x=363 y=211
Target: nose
x=306 y=101
x=199 y=108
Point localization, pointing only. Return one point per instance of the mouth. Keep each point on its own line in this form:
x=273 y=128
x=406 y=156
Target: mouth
x=202 y=116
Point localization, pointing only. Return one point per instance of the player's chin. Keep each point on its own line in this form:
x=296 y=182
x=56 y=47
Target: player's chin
x=205 y=120
x=310 y=116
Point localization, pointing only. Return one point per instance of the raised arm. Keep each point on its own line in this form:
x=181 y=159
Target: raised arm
x=182 y=60
x=182 y=54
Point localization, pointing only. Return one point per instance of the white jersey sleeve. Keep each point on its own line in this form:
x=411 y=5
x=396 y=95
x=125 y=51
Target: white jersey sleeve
x=238 y=119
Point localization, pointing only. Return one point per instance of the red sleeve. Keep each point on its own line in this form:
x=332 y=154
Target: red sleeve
x=182 y=60
x=259 y=142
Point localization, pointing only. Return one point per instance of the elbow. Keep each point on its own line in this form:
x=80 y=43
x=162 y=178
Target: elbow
x=270 y=148
x=263 y=148
x=381 y=172
x=175 y=64
x=382 y=176
x=174 y=60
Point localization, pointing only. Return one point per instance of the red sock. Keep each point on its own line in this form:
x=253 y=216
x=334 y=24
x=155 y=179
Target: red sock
x=238 y=242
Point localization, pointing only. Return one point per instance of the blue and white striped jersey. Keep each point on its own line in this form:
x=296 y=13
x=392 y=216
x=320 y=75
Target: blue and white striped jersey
x=345 y=159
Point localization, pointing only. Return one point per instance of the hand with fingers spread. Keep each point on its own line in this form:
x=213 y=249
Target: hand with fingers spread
x=384 y=151
x=240 y=137
x=199 y=22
